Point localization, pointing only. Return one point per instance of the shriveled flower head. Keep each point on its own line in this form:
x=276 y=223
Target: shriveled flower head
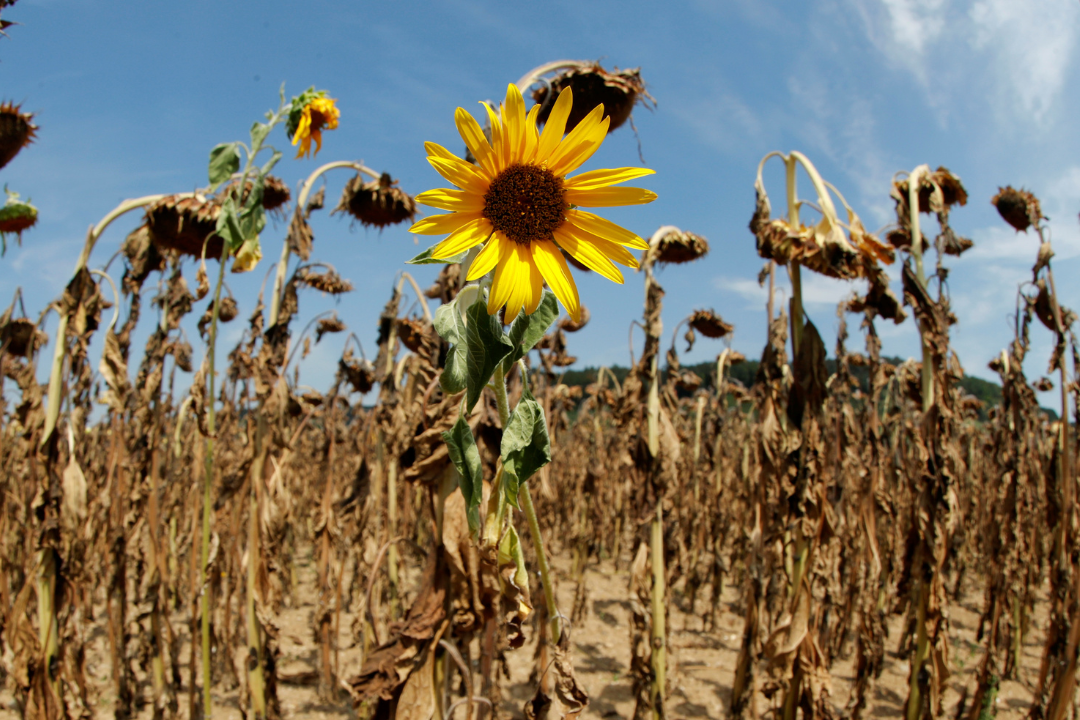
x=1019 y=208
x=618 y=91
x=312 y=112
x=16 y=131
x=379 y=203
x=520 y=205
x=15 y=216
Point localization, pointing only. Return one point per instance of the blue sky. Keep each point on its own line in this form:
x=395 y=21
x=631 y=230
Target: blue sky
x=131 y=96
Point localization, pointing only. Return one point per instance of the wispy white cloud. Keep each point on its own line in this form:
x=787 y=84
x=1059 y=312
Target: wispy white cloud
x=818 y=290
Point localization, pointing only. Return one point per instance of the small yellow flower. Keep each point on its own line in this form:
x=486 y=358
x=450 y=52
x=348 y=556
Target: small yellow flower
x=247 y=257
x=520 y=205
x=319 y=114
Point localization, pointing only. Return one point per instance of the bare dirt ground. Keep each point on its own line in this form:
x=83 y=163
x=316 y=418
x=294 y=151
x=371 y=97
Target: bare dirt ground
x=702 y=662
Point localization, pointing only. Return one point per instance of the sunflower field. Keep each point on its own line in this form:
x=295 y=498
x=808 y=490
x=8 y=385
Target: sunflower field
x=458 y=525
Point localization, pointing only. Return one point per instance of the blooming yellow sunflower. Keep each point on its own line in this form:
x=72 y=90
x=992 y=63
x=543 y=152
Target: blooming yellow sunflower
x=519 y=202
x=317 y=114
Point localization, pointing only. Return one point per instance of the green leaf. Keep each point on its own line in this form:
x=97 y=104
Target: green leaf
x=451 y=329
x=228 y=226
x=259 y=131
x=425 y=258
x=224 y=161
x=528 y=329
x=526 y=446
x=485 y=345
x=269 y=164
x=466 y=458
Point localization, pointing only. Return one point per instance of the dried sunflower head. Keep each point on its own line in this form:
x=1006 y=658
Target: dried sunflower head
x=378 y=203
x=568 y=324
x=709 y=324
x=16 y=131
x=1019 y=208
x=20 y=337
x=328 y=325
x=675 y=246
x=617 y=91
x=15 y=216
x=185 y=224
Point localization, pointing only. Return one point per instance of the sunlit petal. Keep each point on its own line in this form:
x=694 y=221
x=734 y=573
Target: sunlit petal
x=468 y=235
x=605 y=229
x=552 y=265
x=588 y=255
x=603 y=178
x=610 y=197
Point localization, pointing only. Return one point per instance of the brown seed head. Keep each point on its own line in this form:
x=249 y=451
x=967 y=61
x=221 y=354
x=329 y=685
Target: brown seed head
x=1019 y=208
x=677 y=246
x=709 y=324
x=567 y=324
x=16 y=131
x=20 y=337
x=617 y=91
x=378 y=203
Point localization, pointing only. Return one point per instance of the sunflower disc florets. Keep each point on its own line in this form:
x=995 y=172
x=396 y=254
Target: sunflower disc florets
x=16 y=131
x=378 y=203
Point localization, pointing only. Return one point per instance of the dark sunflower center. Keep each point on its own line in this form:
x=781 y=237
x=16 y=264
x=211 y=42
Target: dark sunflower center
x=526 y=203
x=317 y=119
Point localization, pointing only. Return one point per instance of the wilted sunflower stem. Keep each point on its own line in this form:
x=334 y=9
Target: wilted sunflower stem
x=659 y=629
x=914 y=180
x=52 y=413
x=525 y=500
x=538 y=72
x=301 y=203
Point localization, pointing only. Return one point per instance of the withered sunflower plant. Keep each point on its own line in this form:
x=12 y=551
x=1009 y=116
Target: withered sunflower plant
x=512 y=219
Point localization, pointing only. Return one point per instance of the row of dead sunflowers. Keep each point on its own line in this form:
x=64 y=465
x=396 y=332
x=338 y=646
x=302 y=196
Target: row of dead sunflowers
x=832 y=506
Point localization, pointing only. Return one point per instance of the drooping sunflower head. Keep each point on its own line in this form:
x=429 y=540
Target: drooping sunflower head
x=311 y=113
x=17 y=130
x=15 y=216
x=519 y=205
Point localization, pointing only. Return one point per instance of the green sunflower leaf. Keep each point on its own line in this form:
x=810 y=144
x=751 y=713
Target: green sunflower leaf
x=229 y=227
x=528 y=329
x=486 y=345
x=526 y=446
x=450 y=327
x=224 y=161
x=466 y=458
x=259 y=131
x=425 y=258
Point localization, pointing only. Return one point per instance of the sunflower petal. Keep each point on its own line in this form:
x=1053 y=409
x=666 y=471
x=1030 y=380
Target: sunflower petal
x=611 y=250
x=442 y=224
x=584 y=133
x=437 y=150
x=555 y=126
x=460 y=173
x=531 y=136
x=473 y=135
x=506 y=276
x=552 y=265
x=471 y=233
x=605 y=229
x=454 y=200
x=584 y=150
x=498 y=139
x=513 y=113
x=536 y=287
x=587 y=254
x=521 y=291
x=610 y=197
x=603 y=178
x=487 y=258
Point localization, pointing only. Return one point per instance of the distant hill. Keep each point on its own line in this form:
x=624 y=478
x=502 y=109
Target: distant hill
x=745 y=372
